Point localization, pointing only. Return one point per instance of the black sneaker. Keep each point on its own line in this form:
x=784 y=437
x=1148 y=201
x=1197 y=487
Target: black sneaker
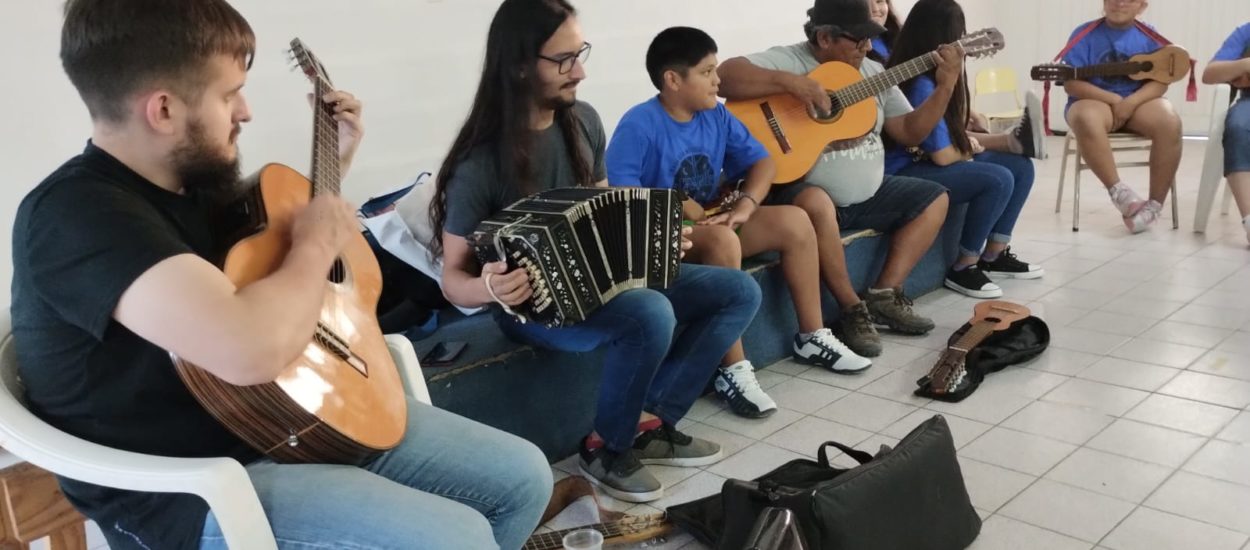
x=1008 y=265
x=1030 y=131
x=620 y=475
x=972 y=282
x=665 y=446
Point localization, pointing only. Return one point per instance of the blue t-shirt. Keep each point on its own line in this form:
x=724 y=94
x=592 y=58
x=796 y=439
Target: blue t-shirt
x=650 y=149
x=1236 y=47
x=878 y=45
x=918 y=91
x=1108 y=45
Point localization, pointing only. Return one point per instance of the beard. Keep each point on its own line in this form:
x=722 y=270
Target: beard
x=205 y=173
x=557 y=101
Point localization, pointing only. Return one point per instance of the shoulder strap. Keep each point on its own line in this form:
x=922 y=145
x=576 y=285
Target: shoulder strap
x=1076 y=39
x=1191 y=93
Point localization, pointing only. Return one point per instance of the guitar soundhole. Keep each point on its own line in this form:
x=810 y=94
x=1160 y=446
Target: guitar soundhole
x=338 y=272
x=835 y=111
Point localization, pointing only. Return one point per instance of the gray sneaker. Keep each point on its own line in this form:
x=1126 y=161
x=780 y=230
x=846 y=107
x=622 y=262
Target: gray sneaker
x=665 y=446
x=858 y=332
x=620 y=475
x=893 y=309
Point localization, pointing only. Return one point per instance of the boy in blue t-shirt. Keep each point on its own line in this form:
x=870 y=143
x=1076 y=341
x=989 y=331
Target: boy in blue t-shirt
x=1231 y=65
x=1101 y=106
x=685 y=139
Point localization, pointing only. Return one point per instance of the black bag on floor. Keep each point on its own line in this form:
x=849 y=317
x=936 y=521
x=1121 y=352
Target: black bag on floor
x=911 y=497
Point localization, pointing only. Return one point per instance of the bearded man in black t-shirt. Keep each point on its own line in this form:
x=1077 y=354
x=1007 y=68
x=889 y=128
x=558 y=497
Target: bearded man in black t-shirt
x=114 y=269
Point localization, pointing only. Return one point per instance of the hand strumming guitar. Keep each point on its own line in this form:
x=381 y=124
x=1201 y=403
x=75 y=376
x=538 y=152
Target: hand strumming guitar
x=811 y=93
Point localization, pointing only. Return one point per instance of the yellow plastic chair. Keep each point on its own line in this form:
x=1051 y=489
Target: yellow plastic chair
x=993 y=81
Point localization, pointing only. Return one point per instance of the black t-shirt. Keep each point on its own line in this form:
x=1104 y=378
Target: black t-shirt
x=476 y=192
x=80 y=239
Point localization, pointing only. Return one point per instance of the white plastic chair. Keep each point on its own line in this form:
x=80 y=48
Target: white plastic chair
x=222 y=482
x=1213 y=163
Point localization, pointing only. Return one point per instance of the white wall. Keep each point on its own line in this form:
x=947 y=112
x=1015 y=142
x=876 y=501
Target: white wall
x=415 y=64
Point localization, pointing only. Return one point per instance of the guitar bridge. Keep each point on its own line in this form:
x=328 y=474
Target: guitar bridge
x=775 y=126
x=331 y=342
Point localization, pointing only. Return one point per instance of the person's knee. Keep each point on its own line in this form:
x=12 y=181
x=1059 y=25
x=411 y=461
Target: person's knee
x=531 y=474
x=650 y=317
x=794 y=228
x=719 y=246
x=818 y=206
x=738 y=287
x=939 y=206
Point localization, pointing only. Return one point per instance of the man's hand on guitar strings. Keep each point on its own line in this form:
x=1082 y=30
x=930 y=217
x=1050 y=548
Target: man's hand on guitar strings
x=328 y=221
x=812 y=93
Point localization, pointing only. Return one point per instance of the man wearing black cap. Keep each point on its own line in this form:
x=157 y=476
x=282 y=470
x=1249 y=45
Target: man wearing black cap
x=853 y=172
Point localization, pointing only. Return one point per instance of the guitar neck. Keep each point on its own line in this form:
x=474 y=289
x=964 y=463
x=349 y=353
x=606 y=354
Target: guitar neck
x=975 y=335
x=326 y=175
x=1110 y=69
x=555 y=540
x=875 y=84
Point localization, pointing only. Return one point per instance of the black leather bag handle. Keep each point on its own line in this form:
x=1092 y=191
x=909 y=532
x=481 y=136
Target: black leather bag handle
x=823 y=456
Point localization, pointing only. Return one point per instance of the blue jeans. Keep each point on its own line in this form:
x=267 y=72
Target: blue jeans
x=645 y=368
x=452 y=483
x=1237 y=137
x=995 y=186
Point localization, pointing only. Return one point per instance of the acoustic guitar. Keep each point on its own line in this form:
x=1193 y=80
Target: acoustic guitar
x=796 y=137
x=951 y=370
x=342 y=400
x=1167 y=65
x=629 y=529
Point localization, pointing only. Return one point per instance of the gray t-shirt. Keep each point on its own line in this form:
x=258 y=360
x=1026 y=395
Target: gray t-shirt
x=850 y=171
x=476 y=192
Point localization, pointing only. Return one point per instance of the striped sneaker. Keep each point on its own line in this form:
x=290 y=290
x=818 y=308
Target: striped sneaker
x=823 y=349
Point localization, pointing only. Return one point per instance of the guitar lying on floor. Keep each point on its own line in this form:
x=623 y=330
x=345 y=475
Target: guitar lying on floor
x=1167 y=65
x=795 y=138
x=950 y=371
x=623 y=531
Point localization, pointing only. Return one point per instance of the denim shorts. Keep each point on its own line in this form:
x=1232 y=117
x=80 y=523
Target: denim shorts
x=1237 y=137
x=897 y=202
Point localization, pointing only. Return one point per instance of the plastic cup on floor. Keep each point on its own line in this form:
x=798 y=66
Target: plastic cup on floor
x=584 y=539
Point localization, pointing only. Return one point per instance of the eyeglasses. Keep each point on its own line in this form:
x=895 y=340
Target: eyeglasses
x=567 y=61
x=860 y=43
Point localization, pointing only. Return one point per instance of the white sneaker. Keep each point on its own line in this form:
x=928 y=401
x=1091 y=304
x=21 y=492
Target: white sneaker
x=1144 y=218
x=737 y=385
x=824 y=350
x=1126 y=200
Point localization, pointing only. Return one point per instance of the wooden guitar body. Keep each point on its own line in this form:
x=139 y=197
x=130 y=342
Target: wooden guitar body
x=324 y=407
x=1167 y=65
x=794 y=137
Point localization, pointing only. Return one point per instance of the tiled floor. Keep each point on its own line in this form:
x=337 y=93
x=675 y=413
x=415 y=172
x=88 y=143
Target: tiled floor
x=1130 y=432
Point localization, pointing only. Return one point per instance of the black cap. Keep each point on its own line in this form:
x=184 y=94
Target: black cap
x=851 y=17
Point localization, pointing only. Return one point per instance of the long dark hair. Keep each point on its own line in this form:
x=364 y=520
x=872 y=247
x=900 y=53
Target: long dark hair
x=892 y=28
x=930 y=24
x=502 y=115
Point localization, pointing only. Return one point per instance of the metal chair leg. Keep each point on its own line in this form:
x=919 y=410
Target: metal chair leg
x=1063 y=171
x=1076 y=194
x=1176 y=217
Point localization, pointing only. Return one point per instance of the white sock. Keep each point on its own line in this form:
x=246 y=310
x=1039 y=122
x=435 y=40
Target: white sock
x=1117 y=184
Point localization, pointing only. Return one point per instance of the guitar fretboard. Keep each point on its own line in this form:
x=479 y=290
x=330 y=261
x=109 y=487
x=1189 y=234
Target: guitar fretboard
x=326 y=176
x=1111 y=69
x=875 y=84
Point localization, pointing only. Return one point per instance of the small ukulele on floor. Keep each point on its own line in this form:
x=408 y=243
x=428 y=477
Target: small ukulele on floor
x=950 y=376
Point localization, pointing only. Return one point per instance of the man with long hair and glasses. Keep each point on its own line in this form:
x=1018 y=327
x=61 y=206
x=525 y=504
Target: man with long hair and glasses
x=526 y=133
x=853 y=172
x=115 y=262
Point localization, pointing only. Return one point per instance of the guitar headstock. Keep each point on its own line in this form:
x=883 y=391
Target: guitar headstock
x=949 y=372
x=1003 y=314
x=1053 y=72
x=309 y=64
x=983 y=43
